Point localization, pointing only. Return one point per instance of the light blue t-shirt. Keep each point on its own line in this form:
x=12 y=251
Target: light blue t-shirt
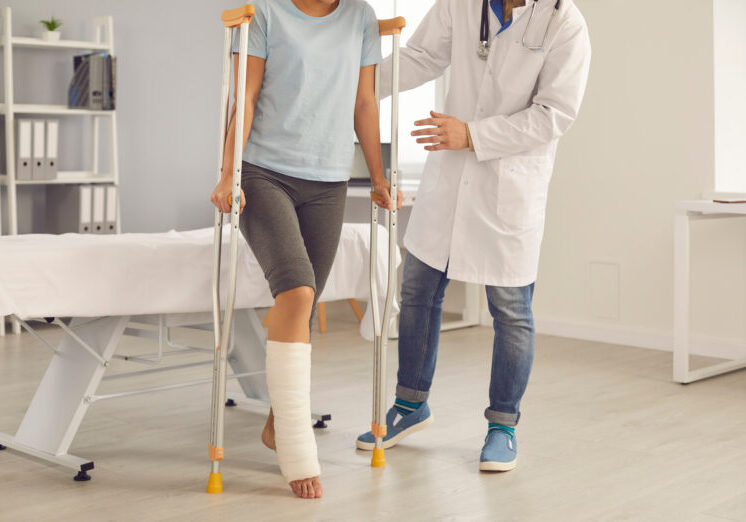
x=304 y=118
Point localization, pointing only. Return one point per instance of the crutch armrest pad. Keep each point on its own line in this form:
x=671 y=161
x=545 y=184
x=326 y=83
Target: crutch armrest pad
x=391 y=25
x=235 y=17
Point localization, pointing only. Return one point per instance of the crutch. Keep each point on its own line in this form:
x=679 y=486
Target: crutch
x=231 y=18
x=391 y=27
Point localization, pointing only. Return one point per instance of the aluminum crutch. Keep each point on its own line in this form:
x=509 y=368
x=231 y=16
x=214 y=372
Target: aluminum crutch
x=391 y=27
x=231 y=18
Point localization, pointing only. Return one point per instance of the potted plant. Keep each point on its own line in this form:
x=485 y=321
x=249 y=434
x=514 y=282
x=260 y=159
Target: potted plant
x=51 y=34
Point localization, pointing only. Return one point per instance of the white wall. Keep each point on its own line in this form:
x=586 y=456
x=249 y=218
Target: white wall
x=168 y=95
x=730 y=95
x=644 y=139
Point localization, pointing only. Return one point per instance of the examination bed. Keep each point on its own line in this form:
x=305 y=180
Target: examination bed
x=107 y=286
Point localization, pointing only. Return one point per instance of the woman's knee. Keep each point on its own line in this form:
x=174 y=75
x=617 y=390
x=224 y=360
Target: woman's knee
x=300 y=298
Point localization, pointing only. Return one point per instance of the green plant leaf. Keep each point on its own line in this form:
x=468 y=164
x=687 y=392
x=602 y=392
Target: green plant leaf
x=52 y=24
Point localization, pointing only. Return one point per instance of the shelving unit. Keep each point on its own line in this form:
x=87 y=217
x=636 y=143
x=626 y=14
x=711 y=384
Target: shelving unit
x=102 y=40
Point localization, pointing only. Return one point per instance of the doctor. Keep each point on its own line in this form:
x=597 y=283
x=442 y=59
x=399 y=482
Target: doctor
x=517 y=78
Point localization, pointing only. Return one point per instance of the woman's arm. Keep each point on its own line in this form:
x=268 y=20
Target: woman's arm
x=368 y=134
x=254 y=78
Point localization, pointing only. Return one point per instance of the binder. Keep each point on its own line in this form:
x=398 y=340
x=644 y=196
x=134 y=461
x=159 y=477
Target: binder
x=96 y=75
x=23 y=150
x=98 y=210
x=68 y=209
x=110 y=77
x=50 y=158
x=85 y=204
x=37 y=150
x=111 y=209
x=78 y=93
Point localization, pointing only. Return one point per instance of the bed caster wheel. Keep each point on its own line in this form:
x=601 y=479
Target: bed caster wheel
x=230 y=403
x=321 y=423
x=83 y=475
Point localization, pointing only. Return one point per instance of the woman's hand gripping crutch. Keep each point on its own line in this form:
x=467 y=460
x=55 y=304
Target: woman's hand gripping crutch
x=392 y=27
x=240 y=17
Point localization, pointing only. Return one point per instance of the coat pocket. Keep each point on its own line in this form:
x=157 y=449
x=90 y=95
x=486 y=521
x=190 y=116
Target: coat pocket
x=522 y=187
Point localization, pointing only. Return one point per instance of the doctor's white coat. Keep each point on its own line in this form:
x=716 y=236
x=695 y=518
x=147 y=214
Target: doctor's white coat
x=481 y=213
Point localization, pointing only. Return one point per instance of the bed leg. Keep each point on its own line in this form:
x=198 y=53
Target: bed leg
x=2 y=447
x=230 y=403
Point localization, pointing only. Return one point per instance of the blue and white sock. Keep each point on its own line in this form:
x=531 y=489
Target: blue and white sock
x=500 y=427
x=405 y=407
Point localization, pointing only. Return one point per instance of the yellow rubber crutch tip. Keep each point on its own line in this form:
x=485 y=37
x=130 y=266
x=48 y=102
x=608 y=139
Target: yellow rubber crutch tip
x=215 y=483
x=379 y=459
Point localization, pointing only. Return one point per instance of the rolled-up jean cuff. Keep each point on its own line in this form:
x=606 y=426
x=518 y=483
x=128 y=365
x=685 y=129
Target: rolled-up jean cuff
x=498 y=417
x=408 y=394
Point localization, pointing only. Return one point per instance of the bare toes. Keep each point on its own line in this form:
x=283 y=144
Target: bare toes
x=317 y=487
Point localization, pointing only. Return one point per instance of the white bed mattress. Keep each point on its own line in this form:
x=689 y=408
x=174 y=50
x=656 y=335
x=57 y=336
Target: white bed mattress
x=75 y=275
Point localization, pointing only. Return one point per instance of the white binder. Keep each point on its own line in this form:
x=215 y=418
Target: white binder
x=111 y=209
x=99 y=208
x=37 y=151
x=85 y=201
x=50 y=158
x=23 y=148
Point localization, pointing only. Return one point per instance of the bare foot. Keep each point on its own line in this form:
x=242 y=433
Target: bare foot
x=268 y=433
x=307 y=488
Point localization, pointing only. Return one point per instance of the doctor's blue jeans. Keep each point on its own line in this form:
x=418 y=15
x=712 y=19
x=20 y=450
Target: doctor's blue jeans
x=423 y=288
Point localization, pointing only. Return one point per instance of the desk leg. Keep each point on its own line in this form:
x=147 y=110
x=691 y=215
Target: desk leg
x=60 y=402
x=681 y=298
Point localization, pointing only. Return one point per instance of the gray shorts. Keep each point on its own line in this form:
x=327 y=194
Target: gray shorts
x=292 y=225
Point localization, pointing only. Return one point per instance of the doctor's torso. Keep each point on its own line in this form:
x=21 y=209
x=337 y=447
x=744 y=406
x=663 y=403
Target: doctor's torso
x=483 y=217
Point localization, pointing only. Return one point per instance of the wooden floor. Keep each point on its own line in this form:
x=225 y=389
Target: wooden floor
x=605 y=435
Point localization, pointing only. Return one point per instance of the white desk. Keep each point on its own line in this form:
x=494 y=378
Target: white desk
x=686 y=211
x=407 y=187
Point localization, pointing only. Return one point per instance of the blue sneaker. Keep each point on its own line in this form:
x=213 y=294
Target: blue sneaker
x=398 y=427
x=500 y=451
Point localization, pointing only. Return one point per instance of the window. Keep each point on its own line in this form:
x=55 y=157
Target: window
x=415 y=104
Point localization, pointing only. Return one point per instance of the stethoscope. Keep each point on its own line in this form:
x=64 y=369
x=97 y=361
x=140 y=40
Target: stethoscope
x=483 y=51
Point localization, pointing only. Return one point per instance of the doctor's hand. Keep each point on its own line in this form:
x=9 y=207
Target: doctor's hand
x=445 y=133
x=222 y=196
x=381 y=195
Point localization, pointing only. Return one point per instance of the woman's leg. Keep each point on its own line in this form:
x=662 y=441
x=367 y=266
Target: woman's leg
x=270 y=224
x=320 y=217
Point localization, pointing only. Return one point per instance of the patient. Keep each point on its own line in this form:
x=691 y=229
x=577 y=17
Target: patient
x=309 y=86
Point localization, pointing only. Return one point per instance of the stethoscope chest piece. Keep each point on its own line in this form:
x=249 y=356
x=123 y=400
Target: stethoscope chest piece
x=483 y=50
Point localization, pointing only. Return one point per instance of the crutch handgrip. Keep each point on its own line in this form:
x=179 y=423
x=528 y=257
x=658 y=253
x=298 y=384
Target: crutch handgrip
x=391 y=26
x=235 y=17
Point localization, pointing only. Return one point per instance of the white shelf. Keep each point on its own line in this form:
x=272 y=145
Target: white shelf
x=101 y=39
x=64 y=178
x=25 y=41
x=33 y=108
